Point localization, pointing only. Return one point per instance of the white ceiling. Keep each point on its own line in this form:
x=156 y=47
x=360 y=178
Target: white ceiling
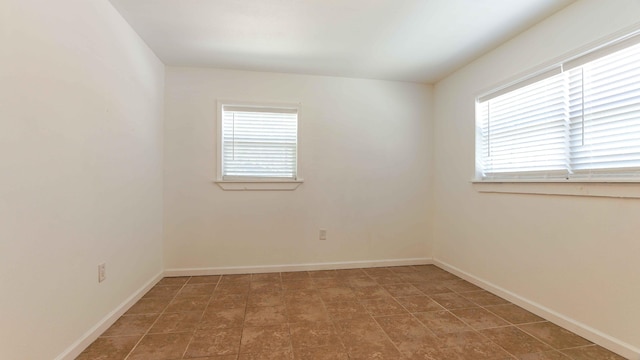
x=410 y=40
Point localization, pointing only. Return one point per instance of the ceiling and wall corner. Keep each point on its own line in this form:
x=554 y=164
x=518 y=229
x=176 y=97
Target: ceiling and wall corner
x=405 y=40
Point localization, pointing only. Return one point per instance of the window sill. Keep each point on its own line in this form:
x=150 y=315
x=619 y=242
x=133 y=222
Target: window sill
x=612 y=189
x=259 y=185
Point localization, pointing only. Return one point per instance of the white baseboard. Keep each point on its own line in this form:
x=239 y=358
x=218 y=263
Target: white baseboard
x=296 y=267
x=90 y=336
x=587 y=332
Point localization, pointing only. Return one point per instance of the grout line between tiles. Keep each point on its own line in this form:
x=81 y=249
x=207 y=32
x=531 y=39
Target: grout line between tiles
x=184 y=353
x=156 y=320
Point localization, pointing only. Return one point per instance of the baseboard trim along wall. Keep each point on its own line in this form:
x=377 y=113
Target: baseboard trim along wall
x=92 y=334
x=296 y=267
x=587 y=332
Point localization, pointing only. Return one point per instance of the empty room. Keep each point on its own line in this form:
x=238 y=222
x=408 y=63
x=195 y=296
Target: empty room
x=319 y=179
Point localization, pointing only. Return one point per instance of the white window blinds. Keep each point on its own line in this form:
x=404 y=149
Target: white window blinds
x=525 y=130
x=607 y=138
x=259 y=143
x=579 y=121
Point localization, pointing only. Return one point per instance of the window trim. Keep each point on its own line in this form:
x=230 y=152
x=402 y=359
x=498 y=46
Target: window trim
x=251 y=183
x=611 y=43
x=607 y=189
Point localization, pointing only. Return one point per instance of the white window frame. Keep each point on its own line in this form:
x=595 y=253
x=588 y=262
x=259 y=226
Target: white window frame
x=252 y=183
x=606 y=187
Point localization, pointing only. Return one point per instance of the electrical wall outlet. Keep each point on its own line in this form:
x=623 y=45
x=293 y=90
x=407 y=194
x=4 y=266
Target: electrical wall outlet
x=102 y=272
x=323 y=234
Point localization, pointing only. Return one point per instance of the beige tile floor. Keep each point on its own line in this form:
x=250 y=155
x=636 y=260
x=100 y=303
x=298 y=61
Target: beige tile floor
x=408 y=312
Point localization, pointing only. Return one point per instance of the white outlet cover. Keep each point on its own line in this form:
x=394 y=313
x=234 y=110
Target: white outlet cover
x=102 y=272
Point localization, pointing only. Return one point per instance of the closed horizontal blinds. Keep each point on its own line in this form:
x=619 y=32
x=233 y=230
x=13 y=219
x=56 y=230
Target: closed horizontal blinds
x=583 y=123
x=607 y=138
x=259 y=143
x=524 y=131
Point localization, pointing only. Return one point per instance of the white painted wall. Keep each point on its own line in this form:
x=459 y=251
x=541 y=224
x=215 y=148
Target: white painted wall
x=81 y=106
x=575 y=255
x=365 y=155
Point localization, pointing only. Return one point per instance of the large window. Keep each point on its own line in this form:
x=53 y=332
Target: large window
x=578 y=120
x=258 y=143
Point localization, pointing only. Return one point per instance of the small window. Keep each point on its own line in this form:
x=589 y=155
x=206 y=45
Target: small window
x=578 y=120
x=258 y=144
